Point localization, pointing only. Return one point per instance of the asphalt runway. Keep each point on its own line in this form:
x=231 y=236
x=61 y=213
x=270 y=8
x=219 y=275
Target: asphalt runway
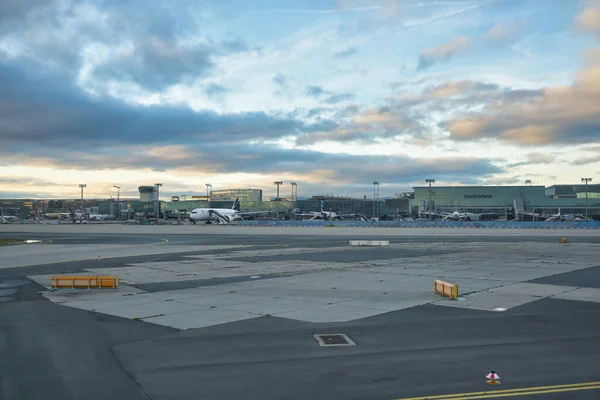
x=52 y=351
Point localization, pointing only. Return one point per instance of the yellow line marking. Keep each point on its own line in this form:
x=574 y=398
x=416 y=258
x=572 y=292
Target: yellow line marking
x=512 y=392
x=574 y=389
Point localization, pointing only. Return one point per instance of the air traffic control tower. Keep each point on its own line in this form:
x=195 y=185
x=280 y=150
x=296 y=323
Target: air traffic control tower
x=148 y=193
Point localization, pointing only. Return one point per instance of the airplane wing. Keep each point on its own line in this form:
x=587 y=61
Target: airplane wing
x=254 y=212
x=434 y=214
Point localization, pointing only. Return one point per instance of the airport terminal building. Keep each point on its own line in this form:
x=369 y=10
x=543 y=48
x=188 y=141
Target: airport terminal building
x=509 y=199
x=507 y=202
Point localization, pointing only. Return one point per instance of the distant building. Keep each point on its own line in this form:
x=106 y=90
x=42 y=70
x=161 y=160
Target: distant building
x=245 y=195
x=187 y=197
x=573 y=191
x=148 y=193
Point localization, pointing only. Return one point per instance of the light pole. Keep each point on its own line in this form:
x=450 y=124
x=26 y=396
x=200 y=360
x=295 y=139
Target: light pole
x=294 y=191
x=586 y=180
x=118 y=197
x=81 y=186
x=157 y=211
x=429 y=181
x=118 y=191
x=208 y=185
x=277 y=183
x=376 y=199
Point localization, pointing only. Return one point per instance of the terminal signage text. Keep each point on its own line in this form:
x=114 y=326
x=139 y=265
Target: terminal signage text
x=478 y=196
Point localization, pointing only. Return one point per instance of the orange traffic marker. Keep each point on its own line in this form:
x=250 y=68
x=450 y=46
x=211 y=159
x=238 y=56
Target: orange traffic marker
x=493 y=378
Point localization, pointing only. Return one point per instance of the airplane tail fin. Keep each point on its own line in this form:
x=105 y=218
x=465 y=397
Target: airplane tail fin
x=236 y=204
x=321 y=202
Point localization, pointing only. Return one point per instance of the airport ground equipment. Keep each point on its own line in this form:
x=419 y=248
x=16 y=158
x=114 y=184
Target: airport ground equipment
x=446 y=289
x=85 y=282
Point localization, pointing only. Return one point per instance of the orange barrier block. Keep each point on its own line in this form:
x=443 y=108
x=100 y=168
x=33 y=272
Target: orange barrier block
x=85 y=282
x=446 y=289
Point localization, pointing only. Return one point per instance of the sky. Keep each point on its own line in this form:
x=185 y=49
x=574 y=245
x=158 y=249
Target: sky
x=331 y=94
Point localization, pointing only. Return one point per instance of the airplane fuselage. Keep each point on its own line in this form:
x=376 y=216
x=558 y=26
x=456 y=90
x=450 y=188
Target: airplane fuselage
x=212 y=214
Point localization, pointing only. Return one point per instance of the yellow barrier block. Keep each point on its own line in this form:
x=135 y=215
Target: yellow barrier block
x=85 y=282
x=446 y=289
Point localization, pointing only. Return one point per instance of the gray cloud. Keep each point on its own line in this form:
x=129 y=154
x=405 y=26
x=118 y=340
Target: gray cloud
x=214 y=90
x=280 y=79
x=216 y=158
x=338 y=98
x=346 y=53
x=318 y=92
x=534 y=159
x=443 y=53
x=156 y=63
x=153 y=47
x=315 y=91
x=67 y=119
x=73 y=131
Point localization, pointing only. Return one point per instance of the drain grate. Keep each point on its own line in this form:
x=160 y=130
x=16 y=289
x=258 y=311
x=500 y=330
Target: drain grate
x=333 y=339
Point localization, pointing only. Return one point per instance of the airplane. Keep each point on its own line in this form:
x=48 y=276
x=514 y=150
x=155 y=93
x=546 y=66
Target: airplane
x=99 y=217
x=220 y=215
x=7 y=218
x=458 y=216
x=330 y=215
x=566 y=217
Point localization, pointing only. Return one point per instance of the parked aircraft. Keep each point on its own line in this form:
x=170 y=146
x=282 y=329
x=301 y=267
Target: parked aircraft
x=220 y=215
x=330 y=215
x=99 y=217
x=8 y=218
x=458 y=216
x=566 y=217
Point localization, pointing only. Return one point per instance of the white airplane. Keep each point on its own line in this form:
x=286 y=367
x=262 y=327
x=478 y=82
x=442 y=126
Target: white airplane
x=330 y=215
x=7 y=218
x=566 y=217
x=99 y=217
x=220 y=215
x=458 y=216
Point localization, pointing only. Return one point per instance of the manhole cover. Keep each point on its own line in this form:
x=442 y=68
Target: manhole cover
x=334 y=339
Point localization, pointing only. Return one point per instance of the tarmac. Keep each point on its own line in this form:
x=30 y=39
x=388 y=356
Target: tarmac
x=224 y=312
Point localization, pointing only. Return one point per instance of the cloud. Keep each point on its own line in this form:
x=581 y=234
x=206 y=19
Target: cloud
x=263 y=160
x=118 y=43
x=595 y=150
x=317 y=92
x=502 y=180
x=11 y=9
x=443 y=53
x=560 y=115
x=568 y=115
x=587 y=160
x=66 y=119
x=541 y=158
x=534 y=159
x=155 y=63
x=589 y=19
x=215 y=90
x=500 y=32
x=370 y=125
x=465 y=87
x=280 y=79
x=338 y=98
x=75 y=132
x=346 y=53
